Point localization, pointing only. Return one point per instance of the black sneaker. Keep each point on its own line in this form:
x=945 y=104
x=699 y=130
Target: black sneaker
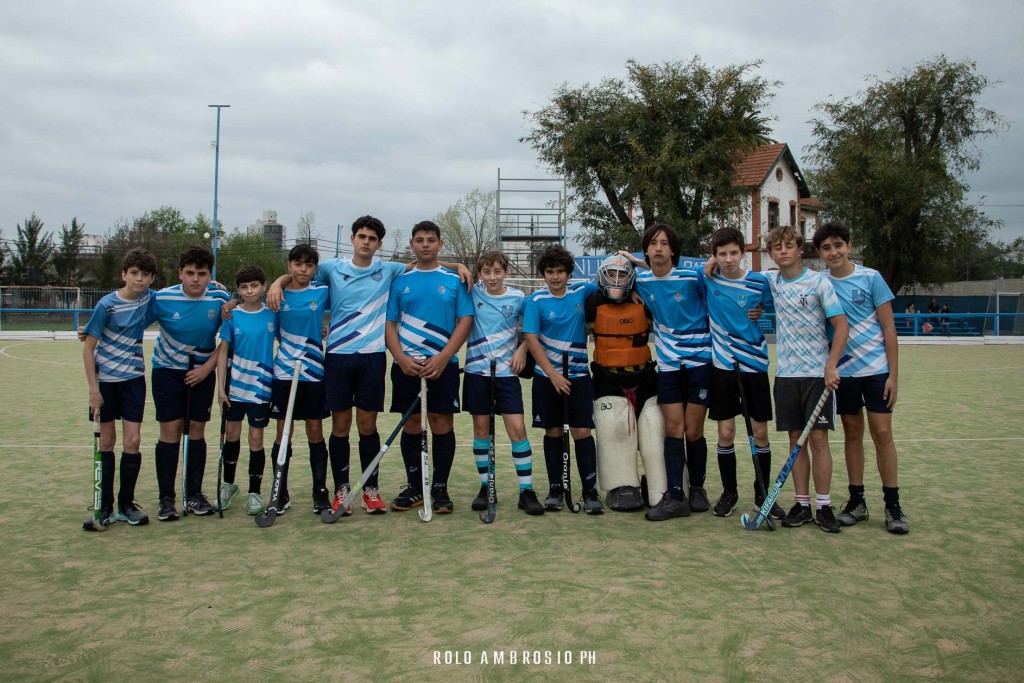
x=529 y=503
x=132 y=514
x=440 y=501
x=625 y=499
x=592 y=502
x=775 y=513
x=407 y=499
x=853 y=512
x=321 y=501
x=699 y=499
x=554 y=502
x=668 y=508
x=198 y=505
x=726 y=503
x=167 y=512
x=798 y=516
x=895 y=521
x=826 y=519
x=480 y=502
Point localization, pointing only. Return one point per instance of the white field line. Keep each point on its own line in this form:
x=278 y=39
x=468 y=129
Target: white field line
x=3 y=352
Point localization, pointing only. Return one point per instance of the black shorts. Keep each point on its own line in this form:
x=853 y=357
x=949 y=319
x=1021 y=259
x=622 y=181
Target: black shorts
x=258 y=413
x=635 y=386
x=548 y=404
x=855 y=393
x=442 y=393
x=310 y=403
x=725 y=395
x=476 y=395
x=123 y=400
x=355 y=379
x=795 y=398
x=692 y=385
x=170 y=395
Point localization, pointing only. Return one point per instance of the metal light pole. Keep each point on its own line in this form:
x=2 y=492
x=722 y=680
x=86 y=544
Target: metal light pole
x=216 y=173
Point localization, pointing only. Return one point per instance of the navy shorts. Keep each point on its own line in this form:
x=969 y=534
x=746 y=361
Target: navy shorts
x=442 y=393
x=858 y=392
x=692 y=385
x=725 y=395
x=476 y=395
x=310 y=403
x=170 y=395
x=795 y=398
x=258 y=413
x=355 y=379
x=123 y=400
x=548 y=404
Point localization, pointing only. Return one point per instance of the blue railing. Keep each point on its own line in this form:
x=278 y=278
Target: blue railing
x=942 y=325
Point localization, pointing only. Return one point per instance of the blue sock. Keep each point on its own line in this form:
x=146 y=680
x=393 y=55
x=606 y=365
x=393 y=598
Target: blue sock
x=480 y=447
x=522 y=457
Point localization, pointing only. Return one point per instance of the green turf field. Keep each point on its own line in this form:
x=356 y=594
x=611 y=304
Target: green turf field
x=378 y=598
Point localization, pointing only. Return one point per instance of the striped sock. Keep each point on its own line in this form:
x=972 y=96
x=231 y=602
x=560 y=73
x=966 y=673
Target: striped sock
x=804 y=501
x=522 y=457
x=822 y=500
x=480 y=455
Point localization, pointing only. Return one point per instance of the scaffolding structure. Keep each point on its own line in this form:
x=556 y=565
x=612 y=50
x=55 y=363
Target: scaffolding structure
x=532 y=215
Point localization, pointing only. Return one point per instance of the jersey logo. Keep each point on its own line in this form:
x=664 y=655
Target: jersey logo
x=858 y=296
x=210 y=313
x=285 y=306
x=238 y=331
x=803 y=299
x=678 y=296
x=441 y=289
x=742 y=301
x=551 y=314
x=312 y=305
x=405 y=291
x=176 y=316
x=270 y=327
x=651 y=297
x=377 y=275
x=579 y=307
x=703 y=394
x=508 y=311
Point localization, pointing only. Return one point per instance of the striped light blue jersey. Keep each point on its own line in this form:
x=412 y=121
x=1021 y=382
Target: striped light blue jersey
x=251 y=336
x=677 y=302
x=359 y=299
x=802 y=305
x=560 y=325
x=118 y=324
x=860 y=293
x=427 y=304
x=495 y=334
x=299 y=323
x=734 y=337
x=187 y=325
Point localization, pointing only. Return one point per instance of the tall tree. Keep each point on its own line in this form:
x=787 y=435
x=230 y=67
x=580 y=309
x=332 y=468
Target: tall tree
x=242 y=249
x=469 y=227
x=66 y=259
x=32 y=259
x=166 y=233
x=891 y=162
x=305 y=228
x=656 y=147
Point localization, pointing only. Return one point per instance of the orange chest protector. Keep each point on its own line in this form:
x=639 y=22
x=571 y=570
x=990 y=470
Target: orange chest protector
x=620 y=334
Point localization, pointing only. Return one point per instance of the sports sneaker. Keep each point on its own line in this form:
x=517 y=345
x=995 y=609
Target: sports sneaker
x=775 y=513
x=339 y=497
x=699 y=499
x=227 y=492
x=592 y=502
x=798 y=515
x=167 y=512
x=826 y=519
x=198 y=505
x=285 y=505
x=440 y=501
x=407 y=499
x=853 y=513
x=372 y=502
x=726 y=503
x=254 y=505
x=668 y=508
x=529 y=503
x=480 y=502
x=132 y=514
x=554 y=502
x=321 y=500
x=895 y=521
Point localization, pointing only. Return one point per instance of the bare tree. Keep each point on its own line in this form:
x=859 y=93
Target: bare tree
x=305 y=229
x=469 y=227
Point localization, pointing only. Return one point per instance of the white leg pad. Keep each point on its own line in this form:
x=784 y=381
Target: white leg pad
x=616 y=429
x=651 y=432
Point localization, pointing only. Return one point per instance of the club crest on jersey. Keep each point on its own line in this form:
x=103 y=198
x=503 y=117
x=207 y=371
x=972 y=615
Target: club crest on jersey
x=858 y=296
x=678 y=296
x=211 y=313
x=742 y=300
x=579 y=307
x=509 y=311
x=312 y=305
x=551 y=314
x=285 y=306
x=405 y=291
x=441 y=289
x=803 y=299
x=270 y=327
x=377 y=275
x=176 y=316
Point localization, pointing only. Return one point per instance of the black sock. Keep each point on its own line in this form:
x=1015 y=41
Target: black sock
x=764 y=461
x=107 y=480
x=340 y=458
x=318 y=464
x=369 y=446
x=553 y=460
x=586 y=462
x=891 y=494
x=444 y=456
x=410 y=445
x=166 y=468
x=230 y=452
x=196 y=465
x=675 y=463
x=857 y=493
x=131 y=463
x=257 y=465
x=697 y=459
x=727 y=466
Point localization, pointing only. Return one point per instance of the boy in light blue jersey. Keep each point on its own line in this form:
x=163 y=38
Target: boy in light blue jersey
x=869 y=373
x=497 y=317
x=429 y=316
x=554 y=322
x=116 y=375
x=250 y=335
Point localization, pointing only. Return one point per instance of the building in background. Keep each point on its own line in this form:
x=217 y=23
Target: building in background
x=269 y=228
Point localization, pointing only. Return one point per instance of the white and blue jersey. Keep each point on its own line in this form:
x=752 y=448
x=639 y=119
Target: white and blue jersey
x=734 y=336
x=118 y=324
x=495 y=333
x=251 y=336
x=299 y=323
x=560 y=325
x=427 y=304
x=187 y=325
x=359 y=299
x=680 y=317
x=860 y=293
x=802 y=304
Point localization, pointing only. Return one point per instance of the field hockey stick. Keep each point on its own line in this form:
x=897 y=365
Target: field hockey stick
x=776 y=489
x=428 y=506
x=223 y=427
x=492 y=495
x=330 y=515
x=758 y=477
x=96 y=522
x=566 y=483
x=267 y=518
x=184 y=440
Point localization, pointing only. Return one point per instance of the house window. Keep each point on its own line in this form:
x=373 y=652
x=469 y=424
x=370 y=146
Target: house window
x=803 y=229
x=778 y=174
x=773 y=215
x=792 y=214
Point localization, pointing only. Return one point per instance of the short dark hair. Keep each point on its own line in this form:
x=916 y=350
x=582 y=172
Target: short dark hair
x=492 y=258
x=370 y=222
x=724 y=236
x=554 y=256
x=138 y=257
x=304 y=253
x=250 y=274
x=674 y=243
x=427 y=226
x=833 y=229
x=200 y=257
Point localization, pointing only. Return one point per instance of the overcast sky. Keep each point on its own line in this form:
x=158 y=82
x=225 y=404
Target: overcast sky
x=398 y=109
